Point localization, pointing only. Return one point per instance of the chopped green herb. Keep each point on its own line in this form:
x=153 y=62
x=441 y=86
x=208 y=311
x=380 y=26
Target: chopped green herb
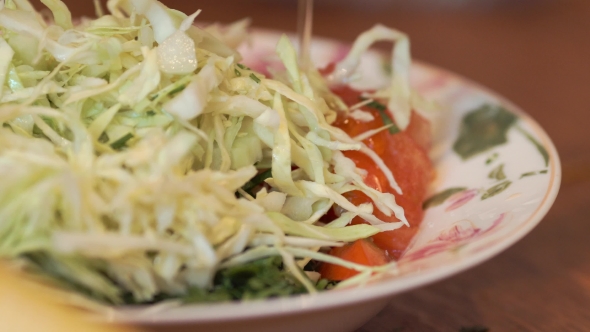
x=256 y=181
x=393 y=128
x=324 y=284
x=237 y=72
x=177 y=90
x=120 y=143
x=441 y=197
x=377 y=105
x=151 y=113
x=103 y=138
x=242 y=66
x=382 y=109
x=543 y=171
x=259 y=279
x=198 y=295
x=497 y=173
x=254 y=78
x=493 y=191
x=37 y=132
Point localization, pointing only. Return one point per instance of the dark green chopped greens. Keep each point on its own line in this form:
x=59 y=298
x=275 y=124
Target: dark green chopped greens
x=382 y=109
x=237 y=72
x=260 y=279
x=103 y=138
x=121 y=142
x=177 y=90
x=254 y=78
x=325 y=284
x=256 y=181
x=376 y=105
x=242 y=66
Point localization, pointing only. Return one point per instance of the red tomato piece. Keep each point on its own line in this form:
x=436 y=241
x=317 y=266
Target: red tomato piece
x=410 y=166
x=413 y=171
x=395 y=242
x=420 y=130
x=328 y=69
x=362 y=252
x=405 y=154
x=355 y=127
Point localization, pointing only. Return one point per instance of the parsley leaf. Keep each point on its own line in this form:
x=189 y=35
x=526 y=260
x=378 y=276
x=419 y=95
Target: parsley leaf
x=121 y=142
x=263 y=278
x=256 y=181
x=382 y=109
x=254 y=78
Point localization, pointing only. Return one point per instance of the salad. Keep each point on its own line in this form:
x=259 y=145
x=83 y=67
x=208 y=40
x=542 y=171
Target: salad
x=144 y=161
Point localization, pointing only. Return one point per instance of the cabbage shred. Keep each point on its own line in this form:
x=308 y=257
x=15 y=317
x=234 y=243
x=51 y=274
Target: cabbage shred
x=126 y=141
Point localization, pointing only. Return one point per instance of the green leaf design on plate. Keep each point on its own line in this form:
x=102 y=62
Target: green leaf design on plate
x=536 y=143
x=492 y=158
x=524 y=175
x=497 y=173
x=495 y=190
x=441 y=197
x=483 y=129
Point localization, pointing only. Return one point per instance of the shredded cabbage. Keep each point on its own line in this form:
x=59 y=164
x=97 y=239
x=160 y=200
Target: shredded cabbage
x=128 y=139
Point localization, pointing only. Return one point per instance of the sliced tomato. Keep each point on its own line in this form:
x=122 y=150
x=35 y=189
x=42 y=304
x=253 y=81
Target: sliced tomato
x=395 y=242
x=405 y=154
x=374 y=177
x=362 y=252
x=413 y=171
x=420 y=130
x=355 y=127
x=328 y=69
x=410 y=166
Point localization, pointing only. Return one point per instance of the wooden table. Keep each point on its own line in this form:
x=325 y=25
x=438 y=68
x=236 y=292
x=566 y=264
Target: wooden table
x=538 y=55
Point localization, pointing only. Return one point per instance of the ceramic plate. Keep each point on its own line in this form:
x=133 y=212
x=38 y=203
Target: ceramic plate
x=497 y=175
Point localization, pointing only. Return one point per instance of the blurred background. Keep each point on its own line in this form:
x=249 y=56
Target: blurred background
x=534 y=52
